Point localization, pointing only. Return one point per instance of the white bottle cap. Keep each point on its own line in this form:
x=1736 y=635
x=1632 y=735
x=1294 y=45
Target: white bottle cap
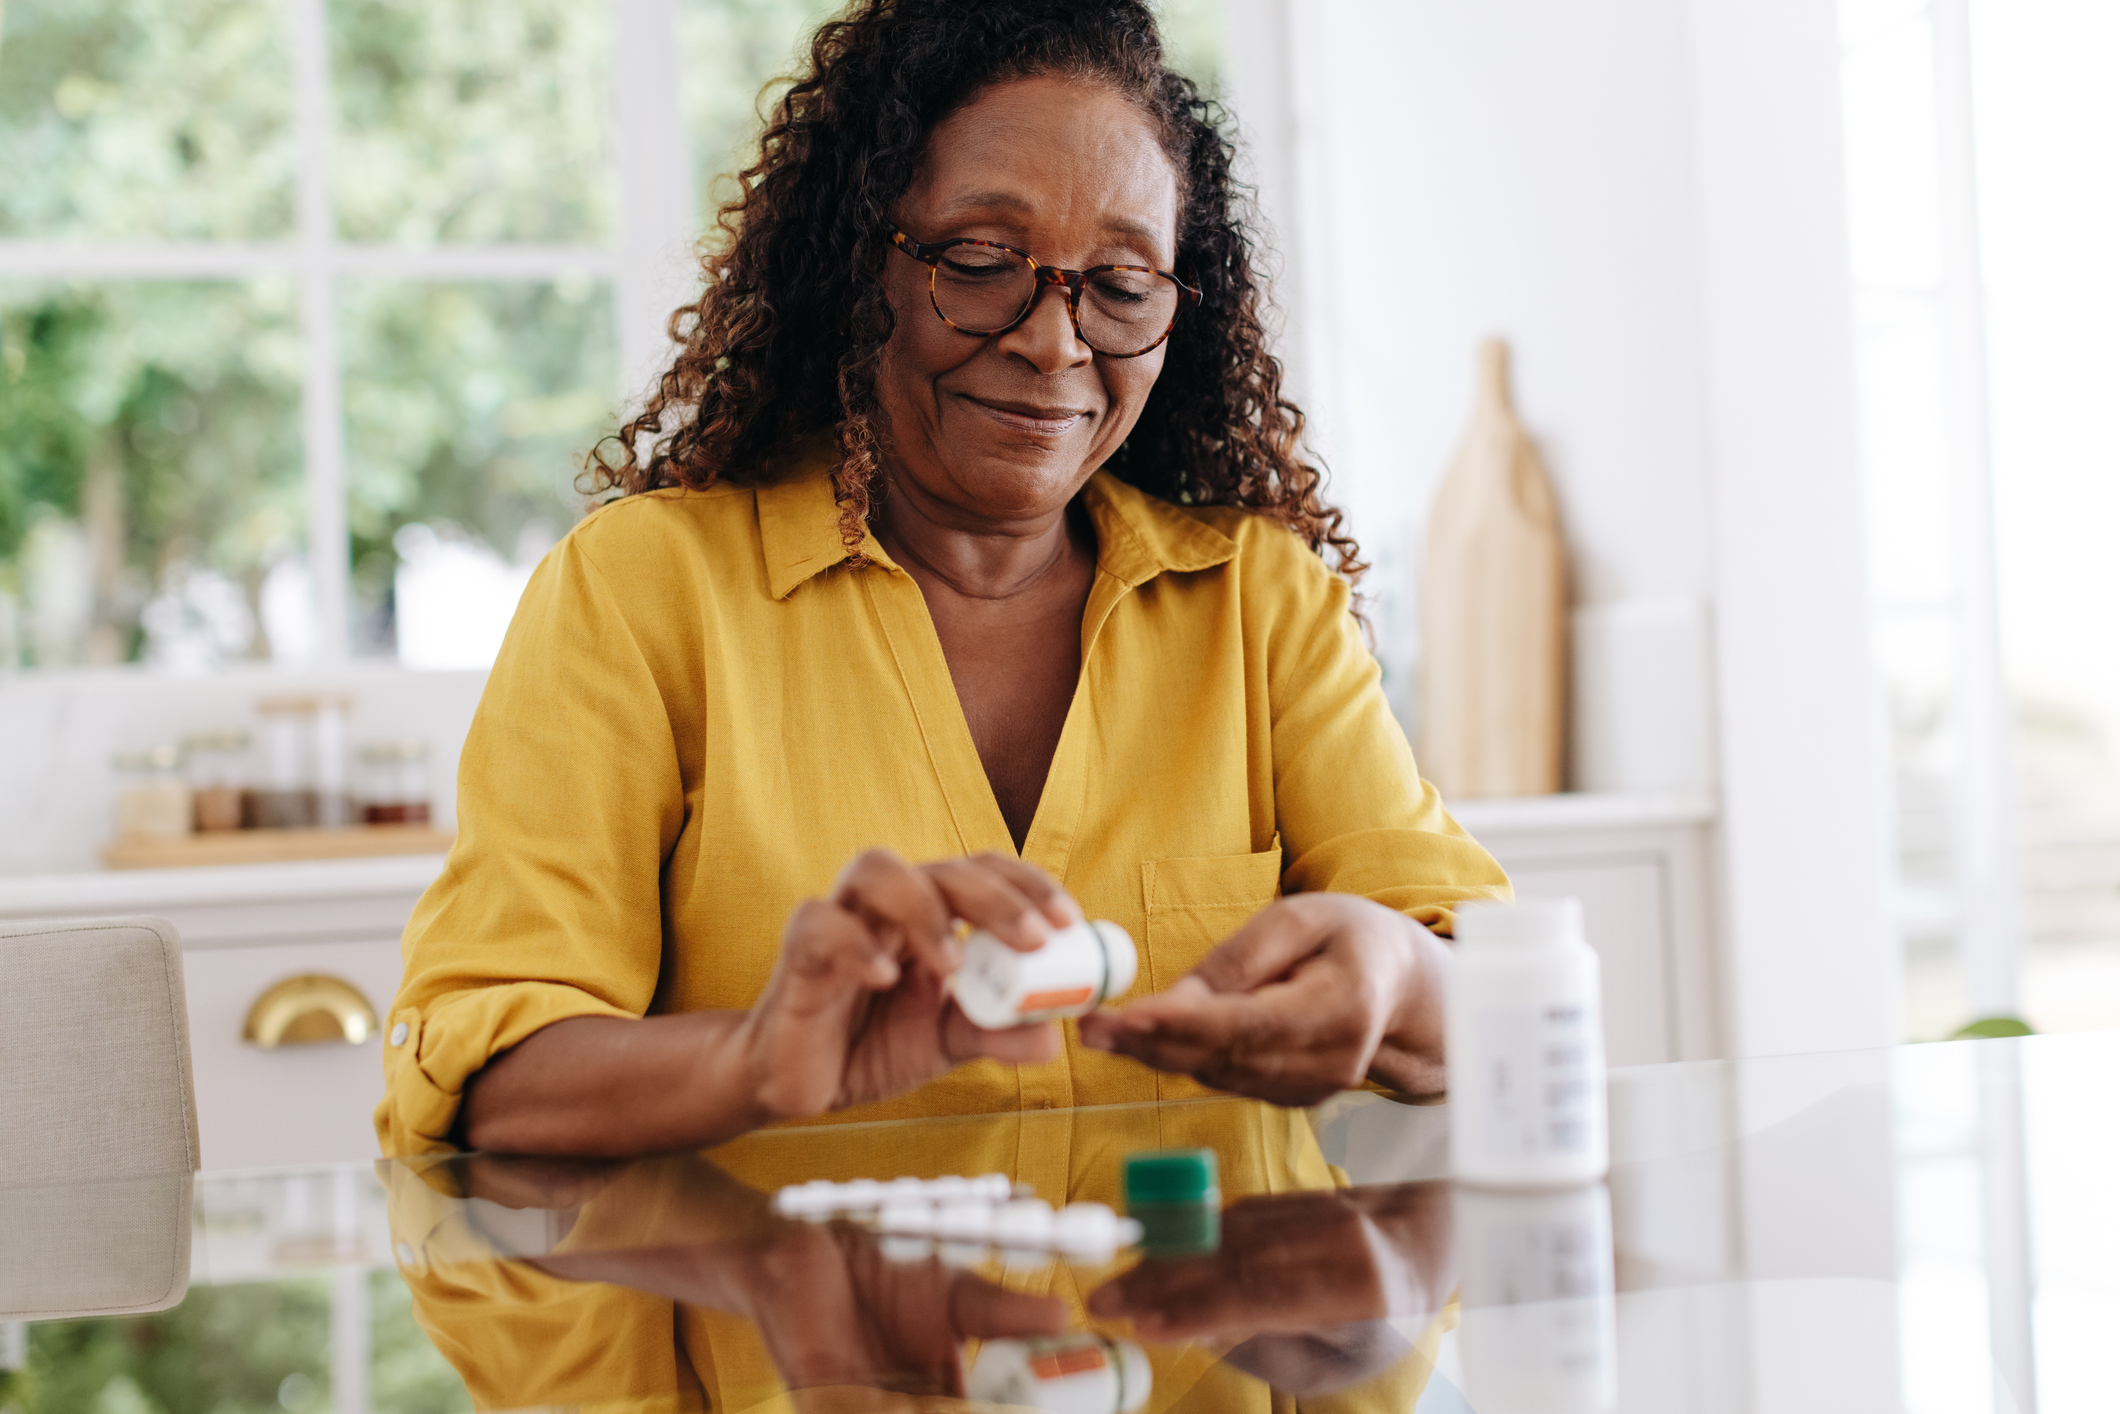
x=1120 y=961
x=1537 y=922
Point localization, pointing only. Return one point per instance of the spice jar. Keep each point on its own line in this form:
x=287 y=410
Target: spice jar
x=303 y=777
x=218 y=763
x=1077 y=970
x=153 y=801
x=391 y=782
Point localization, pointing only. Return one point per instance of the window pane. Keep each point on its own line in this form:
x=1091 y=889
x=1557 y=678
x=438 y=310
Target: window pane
x=732 y=48
x=127 y=119
x=151 y=501
x=458 y=120
x=1192 y=39
x=468 y=409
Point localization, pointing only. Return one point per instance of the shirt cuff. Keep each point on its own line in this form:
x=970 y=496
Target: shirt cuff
x=430 y=1052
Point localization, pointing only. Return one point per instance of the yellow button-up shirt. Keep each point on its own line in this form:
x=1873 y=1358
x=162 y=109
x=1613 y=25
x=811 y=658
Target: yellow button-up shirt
x=703 y=710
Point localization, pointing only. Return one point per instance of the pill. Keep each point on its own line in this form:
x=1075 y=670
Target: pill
x=905 y=1217
x=1027 y=1222
x=906 y=1249
x=1092 y=1227
x=965 y=1221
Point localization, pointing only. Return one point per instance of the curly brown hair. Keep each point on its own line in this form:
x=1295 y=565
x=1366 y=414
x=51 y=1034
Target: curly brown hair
x=784 y=343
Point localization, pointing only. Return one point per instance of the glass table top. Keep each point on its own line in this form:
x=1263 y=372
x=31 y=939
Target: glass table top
x=1928 y=1228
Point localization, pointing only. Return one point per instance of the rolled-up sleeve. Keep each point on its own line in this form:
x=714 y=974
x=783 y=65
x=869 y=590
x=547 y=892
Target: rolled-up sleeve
x=1353 y=813
x=570 y=795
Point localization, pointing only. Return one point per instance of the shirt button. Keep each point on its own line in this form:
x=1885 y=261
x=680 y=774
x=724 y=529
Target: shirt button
x=398 y=1033
x=405 y=1254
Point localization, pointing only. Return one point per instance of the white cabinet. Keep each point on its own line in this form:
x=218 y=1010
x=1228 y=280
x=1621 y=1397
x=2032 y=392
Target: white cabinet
x=244 y=929
x=295 y=1104
x=1641 y=867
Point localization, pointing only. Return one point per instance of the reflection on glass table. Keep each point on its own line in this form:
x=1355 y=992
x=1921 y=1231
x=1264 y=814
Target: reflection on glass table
x=1927 y=1229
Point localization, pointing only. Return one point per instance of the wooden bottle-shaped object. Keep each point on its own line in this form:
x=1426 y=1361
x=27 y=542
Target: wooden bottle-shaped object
x=1494 y=610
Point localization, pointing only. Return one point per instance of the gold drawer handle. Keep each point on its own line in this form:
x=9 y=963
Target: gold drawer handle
x=307 y=1009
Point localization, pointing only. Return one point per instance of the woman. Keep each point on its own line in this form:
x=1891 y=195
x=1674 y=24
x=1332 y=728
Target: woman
x=967 y=528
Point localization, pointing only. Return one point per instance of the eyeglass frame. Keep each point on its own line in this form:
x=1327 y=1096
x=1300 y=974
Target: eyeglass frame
x=930 y=253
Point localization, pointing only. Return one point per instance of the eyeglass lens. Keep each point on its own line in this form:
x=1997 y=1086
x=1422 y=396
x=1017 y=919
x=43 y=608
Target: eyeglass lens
x=981 y=290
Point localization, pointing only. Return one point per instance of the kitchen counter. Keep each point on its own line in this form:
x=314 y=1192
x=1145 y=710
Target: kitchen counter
x=238 y=904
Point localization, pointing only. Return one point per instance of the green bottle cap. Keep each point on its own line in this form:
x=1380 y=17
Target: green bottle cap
x=1172 y=1176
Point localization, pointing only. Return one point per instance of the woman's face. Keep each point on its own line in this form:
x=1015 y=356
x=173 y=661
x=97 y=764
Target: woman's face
x=990 y=431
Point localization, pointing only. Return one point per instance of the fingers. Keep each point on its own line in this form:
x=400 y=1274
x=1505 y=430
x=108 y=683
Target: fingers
x=1171 y=1297
x=981 y=1310
x=916 y=908
x=1035 y=884
x=1272 y=942
x=985 y=895
x=825 y=955
x=1292 y=1043
x=902 y=905
x=796 y=1036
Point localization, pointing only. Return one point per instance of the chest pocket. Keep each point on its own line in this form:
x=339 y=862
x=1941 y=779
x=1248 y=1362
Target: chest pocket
x=1194 y=904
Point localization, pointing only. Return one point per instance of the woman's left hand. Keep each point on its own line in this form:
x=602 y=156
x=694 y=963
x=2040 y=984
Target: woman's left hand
x=1312 y=996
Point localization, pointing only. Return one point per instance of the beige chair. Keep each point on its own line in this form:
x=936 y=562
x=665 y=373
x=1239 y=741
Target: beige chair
x=99 y=1137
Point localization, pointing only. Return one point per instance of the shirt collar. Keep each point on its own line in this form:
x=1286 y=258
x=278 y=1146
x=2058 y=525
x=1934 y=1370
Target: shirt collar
x=798 y=527
x=1138 y=536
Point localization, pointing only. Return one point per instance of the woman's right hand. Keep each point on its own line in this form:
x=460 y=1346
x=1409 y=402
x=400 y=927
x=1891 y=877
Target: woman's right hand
x=856 y=1009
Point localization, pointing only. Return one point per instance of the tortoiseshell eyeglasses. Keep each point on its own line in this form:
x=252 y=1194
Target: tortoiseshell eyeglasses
x=985 y=288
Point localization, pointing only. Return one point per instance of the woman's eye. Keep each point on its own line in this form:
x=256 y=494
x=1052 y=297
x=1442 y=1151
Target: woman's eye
x=1121 y=287
x=977 y=266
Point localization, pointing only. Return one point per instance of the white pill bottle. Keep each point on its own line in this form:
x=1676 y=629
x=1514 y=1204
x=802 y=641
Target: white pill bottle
x=1538 y=1329
x=1078 y=970
x=1080 y=1373
x=1526 y=1047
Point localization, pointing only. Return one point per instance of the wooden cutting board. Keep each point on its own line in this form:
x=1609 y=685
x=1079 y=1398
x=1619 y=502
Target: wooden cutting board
x=1494 y=610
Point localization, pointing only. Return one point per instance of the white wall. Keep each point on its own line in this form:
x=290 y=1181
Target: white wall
x=1644 y=197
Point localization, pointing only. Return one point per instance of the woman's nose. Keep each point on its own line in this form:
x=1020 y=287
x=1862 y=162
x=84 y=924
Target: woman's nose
x=1046 y=338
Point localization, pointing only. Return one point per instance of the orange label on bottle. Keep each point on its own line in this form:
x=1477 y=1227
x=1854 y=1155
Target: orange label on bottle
x=1053 y=1001
x=1074 y=1361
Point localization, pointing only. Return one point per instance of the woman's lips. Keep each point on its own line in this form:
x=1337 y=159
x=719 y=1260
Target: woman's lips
x=1027 y=417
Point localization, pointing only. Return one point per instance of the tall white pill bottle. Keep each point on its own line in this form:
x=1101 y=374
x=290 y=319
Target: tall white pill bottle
x=1526 y=1047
